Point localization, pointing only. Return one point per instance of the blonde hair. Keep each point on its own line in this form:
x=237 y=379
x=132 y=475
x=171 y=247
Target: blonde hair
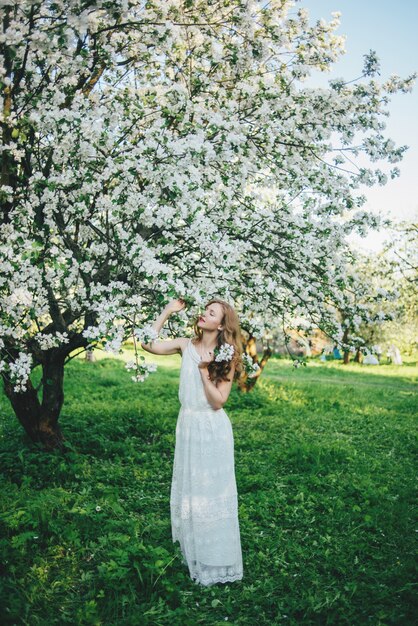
x=230 y=333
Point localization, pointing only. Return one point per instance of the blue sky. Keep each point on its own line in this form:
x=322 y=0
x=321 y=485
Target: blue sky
x=391 y=30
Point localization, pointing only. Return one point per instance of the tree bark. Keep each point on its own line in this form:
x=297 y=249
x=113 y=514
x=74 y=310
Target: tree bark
x=52 y=401
x=357 y=357
x=346 y=352
x=26 y=406
x=40 y=420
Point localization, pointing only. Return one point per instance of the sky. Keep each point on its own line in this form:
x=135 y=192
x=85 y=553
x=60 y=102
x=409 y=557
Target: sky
x=391 y=30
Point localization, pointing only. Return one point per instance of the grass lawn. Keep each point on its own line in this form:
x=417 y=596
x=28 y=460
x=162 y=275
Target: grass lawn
x=325 y=468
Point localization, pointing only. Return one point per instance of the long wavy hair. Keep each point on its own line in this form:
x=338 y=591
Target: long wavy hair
x=230 y=333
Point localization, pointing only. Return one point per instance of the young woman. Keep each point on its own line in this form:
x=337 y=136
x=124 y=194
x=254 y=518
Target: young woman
x=204 y=499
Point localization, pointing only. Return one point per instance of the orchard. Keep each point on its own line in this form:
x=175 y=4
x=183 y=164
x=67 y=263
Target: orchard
x=170 y=148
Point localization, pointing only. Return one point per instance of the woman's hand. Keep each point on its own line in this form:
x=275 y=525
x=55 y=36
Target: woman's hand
x=175 y=305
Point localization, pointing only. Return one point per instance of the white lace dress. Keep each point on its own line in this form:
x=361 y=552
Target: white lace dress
x=204 y=499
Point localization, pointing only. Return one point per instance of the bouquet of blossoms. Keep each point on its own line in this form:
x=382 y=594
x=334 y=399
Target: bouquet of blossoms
x=226 y=352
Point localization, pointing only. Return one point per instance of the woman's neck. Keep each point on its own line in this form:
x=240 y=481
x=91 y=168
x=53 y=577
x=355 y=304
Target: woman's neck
x=208 y=341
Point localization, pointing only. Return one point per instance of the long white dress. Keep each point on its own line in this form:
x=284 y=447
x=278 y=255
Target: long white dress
x=204 y=498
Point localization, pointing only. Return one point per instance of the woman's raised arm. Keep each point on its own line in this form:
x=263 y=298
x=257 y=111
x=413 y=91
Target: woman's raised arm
x=173 y=345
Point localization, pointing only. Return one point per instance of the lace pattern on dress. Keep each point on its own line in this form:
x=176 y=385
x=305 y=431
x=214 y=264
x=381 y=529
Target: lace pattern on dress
x=205 y=511
x=203 y=550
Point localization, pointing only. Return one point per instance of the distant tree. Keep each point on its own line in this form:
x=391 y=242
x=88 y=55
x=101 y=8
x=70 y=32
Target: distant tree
x=385 y=299
x=400 y=273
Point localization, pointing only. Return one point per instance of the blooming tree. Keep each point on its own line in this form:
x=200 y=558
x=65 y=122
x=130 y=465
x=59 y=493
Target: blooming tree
x=368 y=306
x=392 y=277
x=171 y=148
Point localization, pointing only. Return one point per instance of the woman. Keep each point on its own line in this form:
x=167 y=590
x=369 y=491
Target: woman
x=204 y=499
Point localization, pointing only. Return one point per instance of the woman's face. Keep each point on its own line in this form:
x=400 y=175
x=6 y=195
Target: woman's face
x=212 y=317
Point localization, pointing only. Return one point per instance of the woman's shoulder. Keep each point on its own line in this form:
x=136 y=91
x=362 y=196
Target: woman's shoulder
x=183 y=342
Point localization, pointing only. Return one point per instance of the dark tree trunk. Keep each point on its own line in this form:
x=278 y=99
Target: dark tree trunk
x=40 y=420
x=346 y=352
x=358 y=355
x=52 y=401
x=26 y=406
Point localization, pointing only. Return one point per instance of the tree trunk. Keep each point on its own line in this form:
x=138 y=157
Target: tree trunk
x=357 y=357
x=40 y=420
x=346 y=359
x=52 y=401
x=90 y=356
x=26 y=407
x=245 y=384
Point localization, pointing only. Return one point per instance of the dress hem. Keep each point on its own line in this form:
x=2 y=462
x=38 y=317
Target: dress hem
x=213 y=581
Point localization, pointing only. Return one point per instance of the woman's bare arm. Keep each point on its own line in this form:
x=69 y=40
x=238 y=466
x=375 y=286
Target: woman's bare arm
x=173 y=345
x=218 y=394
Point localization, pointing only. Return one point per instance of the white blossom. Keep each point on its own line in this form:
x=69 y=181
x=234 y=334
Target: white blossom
x=251 y=367
x=146 y=334
x=20 y=370
x=224 y=353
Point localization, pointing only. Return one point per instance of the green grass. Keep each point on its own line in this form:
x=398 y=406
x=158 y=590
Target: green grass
x=324 y=459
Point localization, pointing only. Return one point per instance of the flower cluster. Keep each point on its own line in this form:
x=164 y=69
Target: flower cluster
x=250 y=367
x=224 y=353
x=46 y=342
x=20 y=371
x=142 y=370
x=146 y=334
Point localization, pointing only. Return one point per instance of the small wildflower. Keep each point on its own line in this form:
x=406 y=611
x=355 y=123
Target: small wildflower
x=98 y=508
